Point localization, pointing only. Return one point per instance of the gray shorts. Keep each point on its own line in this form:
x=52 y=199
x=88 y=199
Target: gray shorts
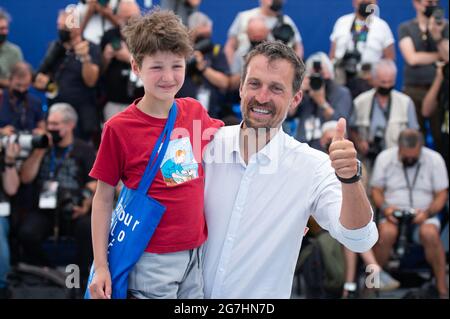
x=415 y=235
x=167 y=276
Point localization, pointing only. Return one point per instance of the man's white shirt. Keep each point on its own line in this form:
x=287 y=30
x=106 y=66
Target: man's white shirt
x=257 y=213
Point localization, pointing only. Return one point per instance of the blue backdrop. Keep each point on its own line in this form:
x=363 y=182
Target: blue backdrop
x=34 y=21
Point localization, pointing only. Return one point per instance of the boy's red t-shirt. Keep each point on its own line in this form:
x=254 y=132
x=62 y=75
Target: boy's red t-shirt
x=127 y=142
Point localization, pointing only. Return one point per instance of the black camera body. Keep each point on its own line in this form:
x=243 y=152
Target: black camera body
x=67 y=200
x=350 y=62
x=316 y=80
x=377 y=145
x=282 y=31
x=404 y=217
x=204 y=46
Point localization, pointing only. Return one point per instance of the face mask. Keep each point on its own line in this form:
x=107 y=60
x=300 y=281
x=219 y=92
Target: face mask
x=64 y=35
x=384 y=91
x=409 y=162
x=276 y=6
x=363 y=9
x=3 y=38
x=56 y=137
x=429 y=11
x=19 y=94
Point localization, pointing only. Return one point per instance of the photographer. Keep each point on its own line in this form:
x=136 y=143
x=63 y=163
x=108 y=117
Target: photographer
x=19 y=110
x=96 y=17
x=380 y=114
x=207 y=73
x=182 y=8
x=358 y=41
x=323 y=100
x=271 y=12
x=423 y=41
x=117 y=78
x=63 y=190
x=412 y=176
x=10 y=53
x=72 y=66
x=8 y=187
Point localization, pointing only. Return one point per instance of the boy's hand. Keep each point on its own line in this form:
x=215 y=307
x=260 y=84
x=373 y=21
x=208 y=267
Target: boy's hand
x=100 y=287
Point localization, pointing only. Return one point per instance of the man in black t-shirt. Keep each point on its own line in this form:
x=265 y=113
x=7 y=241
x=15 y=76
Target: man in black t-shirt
x=421 y=49
x=69 y=73
x=207 y=73
x=120 y=86
x=63 y=191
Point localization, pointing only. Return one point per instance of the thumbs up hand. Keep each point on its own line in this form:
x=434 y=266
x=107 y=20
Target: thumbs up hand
x=342 y=153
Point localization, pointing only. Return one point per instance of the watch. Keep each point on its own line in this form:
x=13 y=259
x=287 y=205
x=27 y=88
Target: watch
x=353 y=179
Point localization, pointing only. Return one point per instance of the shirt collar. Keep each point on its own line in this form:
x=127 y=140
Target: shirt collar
x=271 y=151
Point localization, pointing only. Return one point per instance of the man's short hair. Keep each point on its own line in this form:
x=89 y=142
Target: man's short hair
x=4 y=15
x=68 y=112
x=276 y=50
x=20 y=70
x=198 y=19
x=384 y=64
x=157 y=31
x=410 y=138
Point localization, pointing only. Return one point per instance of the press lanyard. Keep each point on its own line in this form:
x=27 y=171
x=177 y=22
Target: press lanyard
x=408 y=184
x=56 y=163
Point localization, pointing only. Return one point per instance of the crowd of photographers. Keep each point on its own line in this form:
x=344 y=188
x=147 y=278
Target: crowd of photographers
x=45 y=155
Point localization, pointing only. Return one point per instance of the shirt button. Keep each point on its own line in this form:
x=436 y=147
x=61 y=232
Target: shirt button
x=221 y=270
x=230 y=238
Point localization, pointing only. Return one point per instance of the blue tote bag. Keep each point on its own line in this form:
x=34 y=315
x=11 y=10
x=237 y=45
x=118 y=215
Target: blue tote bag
x=135 y=219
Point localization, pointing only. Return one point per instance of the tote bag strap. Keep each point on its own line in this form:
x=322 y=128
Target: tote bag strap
x=158 y=152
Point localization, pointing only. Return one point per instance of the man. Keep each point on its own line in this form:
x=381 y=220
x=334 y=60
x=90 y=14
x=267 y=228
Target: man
x=8 y=187
x=118 y=81
x=182 y=8
x=422 y=43
x=257 y=32
x=358 y=41
x=271 y=12
x=95 y=17
x=207 y=73
x=63 y=190
x=19 y=110
x=10 y=53
x=324 y=100
x=381 y=114
x=261 y=186
x=72 y=64
x=412 y=176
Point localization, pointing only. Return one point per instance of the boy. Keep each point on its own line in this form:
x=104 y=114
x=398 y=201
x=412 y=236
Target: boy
x=170 y=266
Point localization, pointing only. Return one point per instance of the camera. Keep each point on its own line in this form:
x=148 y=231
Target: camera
x=26 y=141
x=282 y=31
x=350 y=62
x=404 y=217
x=204 y=46
x=316 y=80
x=438 y=15
x=103 y=3
x=67 y=200
x=377 y=145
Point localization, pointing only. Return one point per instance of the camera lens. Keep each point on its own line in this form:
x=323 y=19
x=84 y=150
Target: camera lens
x=39 y=141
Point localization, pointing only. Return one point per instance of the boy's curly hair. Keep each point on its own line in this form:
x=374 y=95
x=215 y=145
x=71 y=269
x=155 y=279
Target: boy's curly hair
x=158 y=30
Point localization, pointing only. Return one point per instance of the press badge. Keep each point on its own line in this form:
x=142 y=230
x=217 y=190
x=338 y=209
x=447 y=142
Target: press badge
x=5 y=209
x=48 y=197
x=203 y=96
